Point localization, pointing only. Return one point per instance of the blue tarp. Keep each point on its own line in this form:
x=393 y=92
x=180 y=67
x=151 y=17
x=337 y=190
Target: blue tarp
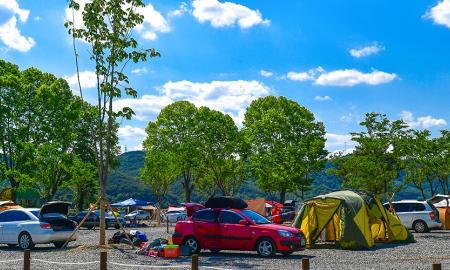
x=130 y=202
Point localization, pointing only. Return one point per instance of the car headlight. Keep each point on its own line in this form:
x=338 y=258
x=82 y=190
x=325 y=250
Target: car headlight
x=284 y=233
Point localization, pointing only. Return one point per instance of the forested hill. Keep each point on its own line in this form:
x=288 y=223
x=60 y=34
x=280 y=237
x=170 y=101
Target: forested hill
x=124 y=183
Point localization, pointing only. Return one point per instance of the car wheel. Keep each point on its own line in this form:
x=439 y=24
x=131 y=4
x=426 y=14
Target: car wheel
x=266 y=247
x=25 y=241
x=193 y=243
x=59 y=244
x=420 y=227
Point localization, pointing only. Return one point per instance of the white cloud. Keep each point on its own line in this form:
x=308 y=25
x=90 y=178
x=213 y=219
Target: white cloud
x=266 y=73
x=182 y=9
x=145 y=108
x=365 y=51
x=352 y=77
x=139 y=71
x=323 y=98
x=309 y=75
x=342 y=77
x=131 y=132
x=339 y=143
x=153 y=23
x=9 y=33
x=347 y=118
x=88 y=79
x=231 y=97
x=423 y=121
x=440 y=13
x=226 y=14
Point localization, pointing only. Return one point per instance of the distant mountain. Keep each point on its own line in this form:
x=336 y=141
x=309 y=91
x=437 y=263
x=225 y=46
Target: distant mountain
x=124 y=183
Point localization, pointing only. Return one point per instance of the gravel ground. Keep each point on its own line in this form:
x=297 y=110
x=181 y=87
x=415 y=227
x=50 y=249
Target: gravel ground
x=430 y=248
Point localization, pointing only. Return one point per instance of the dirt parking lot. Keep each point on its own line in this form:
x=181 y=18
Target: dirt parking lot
x=430 y=248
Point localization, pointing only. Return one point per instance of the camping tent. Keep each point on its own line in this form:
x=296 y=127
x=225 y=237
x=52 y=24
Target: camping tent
x=257 y=205
x=130 y=203
x=349 y=220
x=442 y=203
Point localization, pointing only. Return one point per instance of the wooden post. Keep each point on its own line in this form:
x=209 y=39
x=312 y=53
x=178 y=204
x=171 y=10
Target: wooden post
x=194 y=262
x=26 y=259
x=103 y=260
x=437 y=266
x=305 y=264
x=167 y=224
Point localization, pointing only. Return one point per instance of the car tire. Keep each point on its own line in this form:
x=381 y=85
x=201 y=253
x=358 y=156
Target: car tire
x=266 y=247
x=420 y=226
x=25 y=241
x=193 y=243
x=59 y=244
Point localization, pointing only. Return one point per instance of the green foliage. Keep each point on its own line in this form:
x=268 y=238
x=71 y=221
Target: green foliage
x=376 y=163
x=40 y=129
x=174 y=132
x=82 y=183
x=108 y=26
x=220 y=145
x=285 y=144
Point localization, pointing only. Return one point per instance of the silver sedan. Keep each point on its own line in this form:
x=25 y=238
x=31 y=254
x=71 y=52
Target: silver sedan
x=29 y=226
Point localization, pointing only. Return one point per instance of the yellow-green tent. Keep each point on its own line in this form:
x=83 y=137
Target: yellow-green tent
x=346 y=218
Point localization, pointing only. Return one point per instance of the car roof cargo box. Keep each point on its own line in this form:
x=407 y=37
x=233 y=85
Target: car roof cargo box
x=56 y=207
x=225 y=202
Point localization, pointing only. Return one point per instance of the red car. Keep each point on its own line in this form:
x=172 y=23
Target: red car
x=236 y=229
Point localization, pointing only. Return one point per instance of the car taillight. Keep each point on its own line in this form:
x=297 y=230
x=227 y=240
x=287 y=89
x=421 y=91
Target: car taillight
x=46 y=226
x=432 y=215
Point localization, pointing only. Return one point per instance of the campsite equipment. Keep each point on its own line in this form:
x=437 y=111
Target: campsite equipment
x=185 y=251
x=130 y=203
x=6 y=205
x=442 y=203
x=257 y=205
x=349 y=220
x=171 y=251
x=225 y=202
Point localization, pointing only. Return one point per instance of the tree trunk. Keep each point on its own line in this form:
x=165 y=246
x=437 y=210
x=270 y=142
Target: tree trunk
x=282 y=195
x=187 y=186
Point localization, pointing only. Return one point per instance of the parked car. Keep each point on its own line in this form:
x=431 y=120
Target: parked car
x=174 y=216
x=94 y=220
x=236 y=229
x=419 y=216
x=27 y=227
x=138 y=214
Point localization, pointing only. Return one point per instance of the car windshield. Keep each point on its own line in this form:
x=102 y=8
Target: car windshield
x=255 y=217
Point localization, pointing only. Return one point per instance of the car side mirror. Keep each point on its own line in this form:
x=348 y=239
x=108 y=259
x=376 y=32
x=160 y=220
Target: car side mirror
x=244 y=222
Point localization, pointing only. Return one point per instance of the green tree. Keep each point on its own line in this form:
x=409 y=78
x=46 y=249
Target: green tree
x=442 y=160
x=82 y=183
x=286 y=143
x=108 y=28
x=221 y=152
x=175 y=132
x=159 y=172
x=420 y=160
x=39 y=129
x=377 y=161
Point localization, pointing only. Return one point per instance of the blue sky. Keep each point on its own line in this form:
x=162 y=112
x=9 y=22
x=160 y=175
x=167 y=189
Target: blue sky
x=340 y=59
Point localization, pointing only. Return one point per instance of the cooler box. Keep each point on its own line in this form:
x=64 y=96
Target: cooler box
x=171 y=251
